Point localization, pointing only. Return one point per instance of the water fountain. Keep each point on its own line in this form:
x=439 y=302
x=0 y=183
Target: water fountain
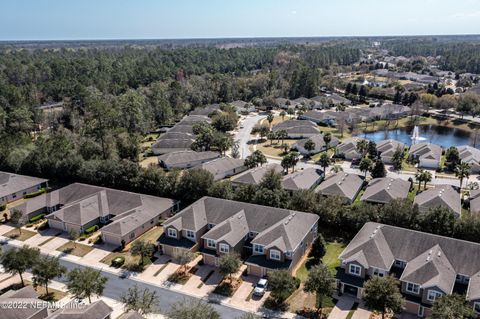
x=416 y=136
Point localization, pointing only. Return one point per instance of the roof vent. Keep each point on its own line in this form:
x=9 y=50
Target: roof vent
x=439 y=254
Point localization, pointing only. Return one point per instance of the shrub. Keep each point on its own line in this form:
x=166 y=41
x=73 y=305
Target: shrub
x=37 y=218
x=43 y=226
x=118 y=261
x=3 y=207
x=91 y=229
x=35 y=194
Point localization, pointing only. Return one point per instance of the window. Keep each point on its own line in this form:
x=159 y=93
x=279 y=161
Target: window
x=210 y=226
x=476 y=307
x=377 y=272
x=224 y=248
x=252 y=234
x=132 y=235
x=288 y=253
x=432 y=295
x=400 y=263
x=190 y=234
x=211 y=243
x=275 y=254
x=462 y=279
x=413 y=288
x=258 y=249
x=355 y=270
x=172 y=232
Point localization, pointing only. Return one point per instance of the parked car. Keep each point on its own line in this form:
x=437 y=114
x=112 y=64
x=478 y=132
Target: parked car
x=261 y=287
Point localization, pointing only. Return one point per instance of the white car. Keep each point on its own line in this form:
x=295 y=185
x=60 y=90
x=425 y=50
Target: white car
x=261 y=287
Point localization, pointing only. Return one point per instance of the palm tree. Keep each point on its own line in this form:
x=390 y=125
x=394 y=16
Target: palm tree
x=291 y=112
x=419 y=176
x=427 y=178
x=462 y=171
x=362 y=147
x=282 y=114
x=327 y=138
x=324 y=161
x=309 y=146
x=270 y=119
x=271 y=136
x=366 y=165
x=336 y=169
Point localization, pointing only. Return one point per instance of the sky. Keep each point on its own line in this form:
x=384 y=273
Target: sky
x=162 y=19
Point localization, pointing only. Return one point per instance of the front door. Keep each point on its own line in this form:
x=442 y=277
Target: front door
x=421 y=311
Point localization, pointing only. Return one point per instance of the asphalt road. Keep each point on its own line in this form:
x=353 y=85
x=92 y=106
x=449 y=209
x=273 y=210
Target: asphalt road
x=243 y=135
x=116 y=287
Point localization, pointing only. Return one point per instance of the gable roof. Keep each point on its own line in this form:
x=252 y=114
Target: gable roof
x=440 y=196
x=185 y=157
x=432 y=260
x=469 y=154
x=83 y=203
x=222 y=165
x=341 y=184
x=297 y=127
x=233 y=220
x=12 y=183
x=255 y=175
x=319 y=142
x=349 y=146
x=427 y=151
x=304 y=179
x=386 y=189
x=388 y=147
x=96 y=310
x=474 y=201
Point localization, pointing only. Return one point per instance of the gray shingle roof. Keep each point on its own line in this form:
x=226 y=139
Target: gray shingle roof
x=469 y=154
x=349 y=147
x=233 y=220
x=475 y=201
x=222 y=165
x=426 y=151
x=319 y=142
x=341 y=184
x=254 y=175
x=11 y=183
x=441 y=195
x=388 y=147
x=185 y=157
x=96 y=310
x=299 y=180
x=84 y=203
x=386 y=189
x=297 y=127
x=432 y=260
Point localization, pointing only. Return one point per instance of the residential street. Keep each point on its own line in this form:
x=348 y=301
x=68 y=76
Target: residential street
x=243 y=134
x=116 y=287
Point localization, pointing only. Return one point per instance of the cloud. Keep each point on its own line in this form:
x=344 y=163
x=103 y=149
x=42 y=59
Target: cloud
x=293 y=12
x=466 y=15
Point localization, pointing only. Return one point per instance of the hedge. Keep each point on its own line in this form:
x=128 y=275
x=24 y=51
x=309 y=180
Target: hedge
x=35 y=218
x=3 y=207
x=34 y=194
x=90 y=230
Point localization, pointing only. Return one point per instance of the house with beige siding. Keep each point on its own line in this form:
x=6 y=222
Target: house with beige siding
x=268 y=238
x=121 y=215
x=14 y=186
x=428 y=266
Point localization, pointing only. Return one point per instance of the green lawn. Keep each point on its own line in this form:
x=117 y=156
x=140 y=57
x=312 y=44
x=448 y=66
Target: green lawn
x=331 y=256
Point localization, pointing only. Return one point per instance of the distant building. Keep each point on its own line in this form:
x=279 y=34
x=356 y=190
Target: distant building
x=14 y=186
x=255 y=175
x=185 y=159
x=223 y=167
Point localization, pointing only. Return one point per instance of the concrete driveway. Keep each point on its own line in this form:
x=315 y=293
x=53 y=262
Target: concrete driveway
x=97 y=254
x=239 y=299
x=5 y=229
x=361 y=313
x=53 y=244
x=342 y=308
x=150 y=273
x=197 y=285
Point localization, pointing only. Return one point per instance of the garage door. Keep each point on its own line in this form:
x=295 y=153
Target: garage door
x=209 y=260
x=350 y=290
x=255 y=271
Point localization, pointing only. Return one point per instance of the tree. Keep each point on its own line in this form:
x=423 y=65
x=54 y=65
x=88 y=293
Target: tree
x=372 y=149
x=397 y=159
x=45 y=269
x=192 y=309
x=291 y=112
x=16 y=261
x=362 y=146
x=18 y=219
x=73 y=235
x=420 y=176
x=183 y=257
x=309 y=146
x=382 y=294
x=221 y=189
x=321 y=282
x=271 y=136
x=282 y=135
x=143 y=301
x=290 y=160
x=194 y=184
x=85 y=283
x=452 y=158
x=327 y=138
x=142 y=248
x=229 y=264
x=271 y=180
x=270 y=119
x=283 y=114
x=255 y=159
x=282 y=284
x=324 y=161
x=261 y=130
x=427 y=178
x=378 y=169
x=438 y=220
x=365 y=165
x=235 y=150
x=452 y=306
x=319 y=248
x=462 y=171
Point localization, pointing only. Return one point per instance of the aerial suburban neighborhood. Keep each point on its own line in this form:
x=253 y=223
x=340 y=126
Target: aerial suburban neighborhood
x=188 y=171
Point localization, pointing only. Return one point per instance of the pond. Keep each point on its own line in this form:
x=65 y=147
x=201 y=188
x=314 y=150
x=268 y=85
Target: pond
x=436 y=134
